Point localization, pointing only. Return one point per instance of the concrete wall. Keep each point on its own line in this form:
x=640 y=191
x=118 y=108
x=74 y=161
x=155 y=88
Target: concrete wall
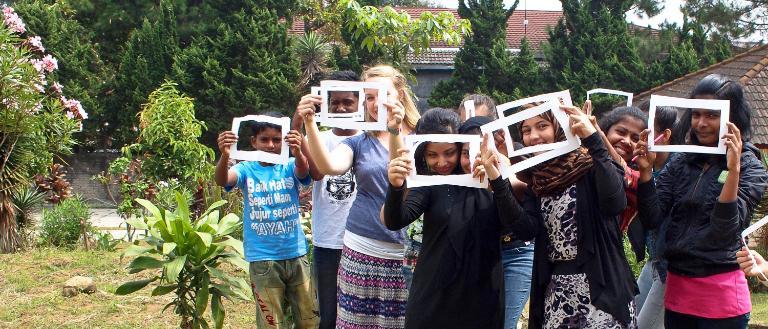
x=81 y=167
x=426 y=80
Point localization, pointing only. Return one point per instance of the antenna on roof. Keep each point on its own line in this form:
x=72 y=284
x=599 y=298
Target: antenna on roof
x=525 y=17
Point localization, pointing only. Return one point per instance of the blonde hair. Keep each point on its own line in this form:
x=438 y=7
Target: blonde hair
x=401 y=84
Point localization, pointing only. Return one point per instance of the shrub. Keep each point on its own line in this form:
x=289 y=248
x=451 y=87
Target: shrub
x=186 y=258
x=61 y=225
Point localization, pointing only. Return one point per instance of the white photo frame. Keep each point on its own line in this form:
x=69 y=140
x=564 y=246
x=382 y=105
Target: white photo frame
x=416 y=180
x=612 y=92
x=357 y=123
x=469 y=109
x=711 y=104
x=282 y=158
x=749 y=230
x=358 y=115
x=315 y=91
x=564 y=95
x=551 y=150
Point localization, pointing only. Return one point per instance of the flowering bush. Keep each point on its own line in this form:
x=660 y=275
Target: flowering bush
x=36 y=120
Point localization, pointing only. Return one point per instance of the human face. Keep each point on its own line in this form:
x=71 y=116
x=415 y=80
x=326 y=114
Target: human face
x=624 y=135
x=706 y=124
x=371 y=97
x=465 y=159
x=268 y=140
x=442 y=157
x=537 y=131
x=343 y=102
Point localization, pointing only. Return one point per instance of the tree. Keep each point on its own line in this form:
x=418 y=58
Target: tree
x=36 y=121
x=247 y=67
x=82 y=73
x=384 y=35
x=483 y=64
x=146 y=62
x=681 y=60
x=591 y=47
x=526 y=72
x=730 y=19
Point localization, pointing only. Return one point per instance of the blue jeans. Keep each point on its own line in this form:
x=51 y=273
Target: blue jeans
x=518 y=263
x=325 y=264
x=674 y=320
x=650 y=301
x=412 y=250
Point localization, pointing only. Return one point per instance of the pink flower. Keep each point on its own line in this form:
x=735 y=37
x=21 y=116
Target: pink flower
x=36 y=43
x=57 y=87
x=75 y=109
x=12 y=20
x=38 y=64
x=50 y=63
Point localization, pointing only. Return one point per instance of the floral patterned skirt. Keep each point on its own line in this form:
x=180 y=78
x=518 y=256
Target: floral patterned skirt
x=567 y=305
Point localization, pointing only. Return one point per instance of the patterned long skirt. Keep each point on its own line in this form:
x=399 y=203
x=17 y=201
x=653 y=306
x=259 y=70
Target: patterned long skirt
x=567 y=305
x=371 y=291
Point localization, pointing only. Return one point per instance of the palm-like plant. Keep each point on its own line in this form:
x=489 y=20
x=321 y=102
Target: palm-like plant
x=314 y=52
x=25 y=200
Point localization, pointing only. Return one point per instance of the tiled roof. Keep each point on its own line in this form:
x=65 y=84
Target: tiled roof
x=538 y=23
x=749 y=68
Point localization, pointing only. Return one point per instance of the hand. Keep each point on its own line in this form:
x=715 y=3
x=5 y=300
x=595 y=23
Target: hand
x=643 y=157
x=490 y=159
x=399 y=168
x=733 y=146
x=395 y=114
x=752 y=267
x=500 y=141
x=225 y=141
x=306 y=107
x=478 y=170
x=580 y=123
x=294 y=140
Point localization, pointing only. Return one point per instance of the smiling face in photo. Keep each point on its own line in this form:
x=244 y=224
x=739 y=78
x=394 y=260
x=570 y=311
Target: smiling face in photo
x=442 y=158
x=371 y=97
x=343 y=101
x=268 y=140
x=537 y=130
x=624 y=135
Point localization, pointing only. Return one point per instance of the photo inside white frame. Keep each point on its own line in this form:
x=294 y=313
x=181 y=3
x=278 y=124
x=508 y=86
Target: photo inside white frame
x=363 y=120
x=543 y=152
x=685 y=104
x=253 y=155
x=415 y=179
x=349 y=98
x=611 y=92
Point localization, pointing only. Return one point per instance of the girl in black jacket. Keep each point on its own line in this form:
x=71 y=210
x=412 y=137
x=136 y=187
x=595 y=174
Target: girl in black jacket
x=581 y=278
x=707 y=200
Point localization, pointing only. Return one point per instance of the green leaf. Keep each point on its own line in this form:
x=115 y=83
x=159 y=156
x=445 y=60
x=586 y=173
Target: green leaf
x=233 y=243
x=206 y=238
x=151 y=207
x=168 y=247
x=162 y=290
x=133 y=286
x=174 y=267
x=145 y=262
x=217 y=310
x=201 y=300
x=228 y=224
x=238 y=261
x=135 y=250
x=214 y=206
x=137 y=223
x=182 y=206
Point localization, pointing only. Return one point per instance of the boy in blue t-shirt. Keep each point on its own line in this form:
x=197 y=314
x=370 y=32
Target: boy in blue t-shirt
x=274 y=242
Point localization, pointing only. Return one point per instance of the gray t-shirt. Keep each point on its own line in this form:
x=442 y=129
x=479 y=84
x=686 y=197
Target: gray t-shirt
x=369 y=165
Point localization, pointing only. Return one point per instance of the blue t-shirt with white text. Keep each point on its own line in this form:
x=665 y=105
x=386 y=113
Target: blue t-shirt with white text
x=271 y=217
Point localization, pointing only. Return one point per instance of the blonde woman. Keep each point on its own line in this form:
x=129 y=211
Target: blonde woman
x=372 y=291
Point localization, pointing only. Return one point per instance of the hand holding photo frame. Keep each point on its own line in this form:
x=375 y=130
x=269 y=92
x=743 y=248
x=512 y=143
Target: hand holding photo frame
x=749 y=230
x=550 y=150
x=285 y=125
x=355 y=119
x=710 y=104
x=416 y=179
x=612 y=92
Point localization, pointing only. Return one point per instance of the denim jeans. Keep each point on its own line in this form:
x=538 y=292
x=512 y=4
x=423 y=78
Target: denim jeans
x=518 y=263
x=325 y=263
x=276 y=283
x=674 y=320
x=410 y=258
x=650 y=301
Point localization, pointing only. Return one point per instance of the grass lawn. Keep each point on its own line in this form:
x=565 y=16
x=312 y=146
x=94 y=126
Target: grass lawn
x=759 y=309
x=30 y=294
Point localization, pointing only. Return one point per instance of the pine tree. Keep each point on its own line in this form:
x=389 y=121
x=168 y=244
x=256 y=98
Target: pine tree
x=247 y=67
x=591 y=47
x=146 y=62
x=483 y=64
x=526 y=72
x=682 y=60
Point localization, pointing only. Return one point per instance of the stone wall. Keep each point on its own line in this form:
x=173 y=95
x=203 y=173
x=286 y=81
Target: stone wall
x=81 y=167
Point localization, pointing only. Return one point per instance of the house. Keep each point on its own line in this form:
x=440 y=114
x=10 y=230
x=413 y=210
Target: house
x=749 y=68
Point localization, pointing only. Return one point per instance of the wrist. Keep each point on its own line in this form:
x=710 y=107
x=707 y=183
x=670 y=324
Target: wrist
x=394 y=131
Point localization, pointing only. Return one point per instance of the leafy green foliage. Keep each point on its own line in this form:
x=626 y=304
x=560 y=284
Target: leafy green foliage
x=61 y=226
x=105 y=241
x=682 y=60
x=386 y=36
x=246 y=67
x=186 y=258
x=314 y=52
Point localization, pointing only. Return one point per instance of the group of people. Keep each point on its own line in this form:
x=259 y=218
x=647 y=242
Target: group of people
x=388 y=256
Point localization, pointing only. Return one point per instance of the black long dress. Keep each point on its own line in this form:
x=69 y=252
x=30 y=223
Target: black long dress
x=458 y=280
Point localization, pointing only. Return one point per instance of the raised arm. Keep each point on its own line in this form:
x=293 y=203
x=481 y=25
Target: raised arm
x=224 y=176
x=342 y=155
x=398 y=210
x=652 y=204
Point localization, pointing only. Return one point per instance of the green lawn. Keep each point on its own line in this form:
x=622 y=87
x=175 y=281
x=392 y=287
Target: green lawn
x=759 y=309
